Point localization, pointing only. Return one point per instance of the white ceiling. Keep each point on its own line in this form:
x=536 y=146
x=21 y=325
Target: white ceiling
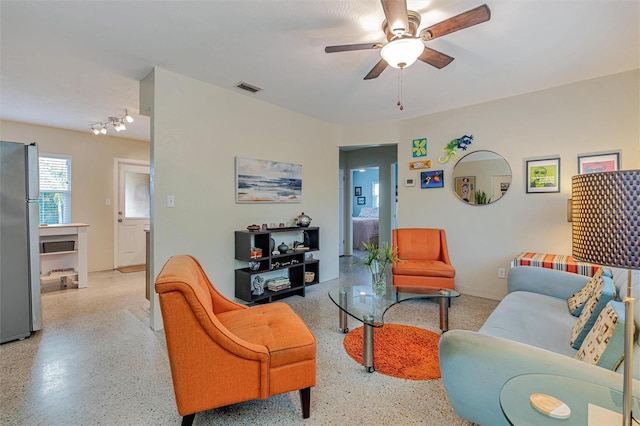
x=71 y=63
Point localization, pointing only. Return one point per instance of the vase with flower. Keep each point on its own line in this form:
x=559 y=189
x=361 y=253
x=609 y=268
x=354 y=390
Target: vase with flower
x=376 y=262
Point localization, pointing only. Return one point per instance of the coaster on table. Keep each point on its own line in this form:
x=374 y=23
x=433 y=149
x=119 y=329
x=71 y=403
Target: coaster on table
x=550 y=406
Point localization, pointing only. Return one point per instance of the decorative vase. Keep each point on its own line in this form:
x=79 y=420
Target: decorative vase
x=379 y=283
x=283 y=248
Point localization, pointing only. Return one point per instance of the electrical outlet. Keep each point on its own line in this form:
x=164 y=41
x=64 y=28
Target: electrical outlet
x=502 y=273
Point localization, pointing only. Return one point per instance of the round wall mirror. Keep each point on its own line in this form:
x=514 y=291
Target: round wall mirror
x=481 y=177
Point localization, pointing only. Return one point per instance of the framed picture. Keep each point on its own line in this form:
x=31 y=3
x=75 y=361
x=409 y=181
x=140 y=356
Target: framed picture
x=543 y=175
x=419 y=147
x=264 y=181
x=362 y=201
x=432 y=179
x=358 y=191
x=466 y=188
x=424 y=164
x=603 y=162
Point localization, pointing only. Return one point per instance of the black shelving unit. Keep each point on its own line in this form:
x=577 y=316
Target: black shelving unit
x=292 y=264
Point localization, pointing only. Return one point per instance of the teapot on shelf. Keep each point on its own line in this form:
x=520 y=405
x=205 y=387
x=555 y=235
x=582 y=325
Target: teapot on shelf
x=303 y=220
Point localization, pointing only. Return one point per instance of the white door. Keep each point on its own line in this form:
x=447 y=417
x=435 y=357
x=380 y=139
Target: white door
x=132 y=213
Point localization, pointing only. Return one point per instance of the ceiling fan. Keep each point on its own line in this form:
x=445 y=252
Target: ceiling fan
x=405 y=44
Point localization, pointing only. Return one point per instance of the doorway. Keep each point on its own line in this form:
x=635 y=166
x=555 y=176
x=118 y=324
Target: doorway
x=131 y=212
x=383 y=158
x=365 y=207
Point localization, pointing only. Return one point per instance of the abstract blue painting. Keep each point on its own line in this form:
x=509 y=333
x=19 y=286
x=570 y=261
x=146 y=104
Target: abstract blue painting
x=264 y=181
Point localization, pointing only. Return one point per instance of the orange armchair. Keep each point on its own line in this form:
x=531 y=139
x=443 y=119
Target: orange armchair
x=222 y=352
x=424 y=259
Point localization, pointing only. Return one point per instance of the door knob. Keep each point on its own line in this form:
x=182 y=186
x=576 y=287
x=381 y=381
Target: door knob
x=120 y=219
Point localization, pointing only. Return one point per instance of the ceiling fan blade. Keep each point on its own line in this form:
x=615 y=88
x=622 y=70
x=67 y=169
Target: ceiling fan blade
x=349 y=47
x=435 y=58
x=397 y=17
x=464 y=20
x=377 y=70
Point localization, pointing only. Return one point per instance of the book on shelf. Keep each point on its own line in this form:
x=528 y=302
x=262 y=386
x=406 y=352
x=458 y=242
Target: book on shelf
x=280 y=287
x=277 y=284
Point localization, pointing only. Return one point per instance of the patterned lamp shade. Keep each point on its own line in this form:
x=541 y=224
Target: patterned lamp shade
x=606 y=231
x=606 y=218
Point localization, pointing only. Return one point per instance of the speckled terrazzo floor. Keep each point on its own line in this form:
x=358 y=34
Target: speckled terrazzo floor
x=97 y=362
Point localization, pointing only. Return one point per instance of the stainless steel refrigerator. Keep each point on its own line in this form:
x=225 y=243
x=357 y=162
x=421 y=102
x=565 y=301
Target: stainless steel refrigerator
x=20 y=312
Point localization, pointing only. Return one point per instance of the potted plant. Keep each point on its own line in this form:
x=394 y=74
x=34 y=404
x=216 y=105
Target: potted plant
x=481 y=198
x=377 y=261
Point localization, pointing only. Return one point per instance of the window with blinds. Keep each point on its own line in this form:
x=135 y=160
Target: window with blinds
x=55 y=189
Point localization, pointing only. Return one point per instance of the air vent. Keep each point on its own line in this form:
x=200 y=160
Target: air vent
x=248 y=87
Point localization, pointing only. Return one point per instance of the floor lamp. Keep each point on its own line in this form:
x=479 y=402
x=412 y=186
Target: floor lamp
x=606 y=231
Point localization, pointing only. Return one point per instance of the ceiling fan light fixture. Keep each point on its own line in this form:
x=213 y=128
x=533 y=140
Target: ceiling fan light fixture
x=402 y=52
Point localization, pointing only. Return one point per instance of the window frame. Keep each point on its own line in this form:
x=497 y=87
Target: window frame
x=65 y=217
x=375 y=195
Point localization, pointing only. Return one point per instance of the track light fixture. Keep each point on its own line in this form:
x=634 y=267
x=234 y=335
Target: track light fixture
x=118 y=124
x=128 y=117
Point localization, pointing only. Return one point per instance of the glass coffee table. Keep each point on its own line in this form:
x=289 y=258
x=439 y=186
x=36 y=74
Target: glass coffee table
x=575 y=393
x=361 y=303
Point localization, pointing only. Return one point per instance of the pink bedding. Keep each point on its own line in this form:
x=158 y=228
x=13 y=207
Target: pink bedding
x=363 y=228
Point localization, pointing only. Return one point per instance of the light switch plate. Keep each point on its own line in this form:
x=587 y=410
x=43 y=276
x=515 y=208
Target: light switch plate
x=171 y=201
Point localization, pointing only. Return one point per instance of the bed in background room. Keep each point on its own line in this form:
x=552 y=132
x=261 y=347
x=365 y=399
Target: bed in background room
x=364 y=226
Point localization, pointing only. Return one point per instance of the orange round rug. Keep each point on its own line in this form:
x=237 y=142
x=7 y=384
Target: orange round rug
x=399 y=350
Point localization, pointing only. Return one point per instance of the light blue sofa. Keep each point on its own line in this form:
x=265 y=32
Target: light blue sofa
x=529 y=332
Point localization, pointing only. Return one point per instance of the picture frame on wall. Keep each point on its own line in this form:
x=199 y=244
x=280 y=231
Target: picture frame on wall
x=362 y=201
x=357 y=191
x=266 y=181
x=599 y=162
x=432 y=179
x=543 y=176
x=465 y=188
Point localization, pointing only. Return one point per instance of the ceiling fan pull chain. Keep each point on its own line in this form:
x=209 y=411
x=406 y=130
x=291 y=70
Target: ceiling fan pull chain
x=400 y=89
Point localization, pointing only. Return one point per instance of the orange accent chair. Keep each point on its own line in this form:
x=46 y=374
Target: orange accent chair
x=424 y=259
x=222 y=352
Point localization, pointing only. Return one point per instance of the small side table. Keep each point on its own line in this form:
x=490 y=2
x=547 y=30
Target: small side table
x=560 y=262
x=577 y=394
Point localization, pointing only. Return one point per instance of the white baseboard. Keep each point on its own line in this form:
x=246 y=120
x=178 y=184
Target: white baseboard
x=485 y=294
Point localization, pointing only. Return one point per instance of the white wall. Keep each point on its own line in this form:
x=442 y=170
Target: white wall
x=590 y=116
x=197 y=131
x=91 y=177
